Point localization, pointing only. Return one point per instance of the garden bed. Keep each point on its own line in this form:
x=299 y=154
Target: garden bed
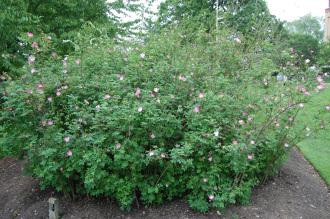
x=297 y=192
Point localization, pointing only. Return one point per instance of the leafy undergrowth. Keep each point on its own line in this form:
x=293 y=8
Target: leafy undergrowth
x=316 y=147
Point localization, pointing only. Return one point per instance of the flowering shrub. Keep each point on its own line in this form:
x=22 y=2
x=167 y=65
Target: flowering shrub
x=170 y=118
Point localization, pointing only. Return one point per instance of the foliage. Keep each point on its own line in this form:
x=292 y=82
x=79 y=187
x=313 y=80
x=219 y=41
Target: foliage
x=305 y=46
x=169 y=118
x=307 y=25
x=323 y=57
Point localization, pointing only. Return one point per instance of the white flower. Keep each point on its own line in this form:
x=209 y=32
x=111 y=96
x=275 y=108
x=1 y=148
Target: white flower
x=151 y=153
x=66 y=139
x=118 y=145
x=98 y=107
x=253 y=142
x=286 y=145
x=216 y=133
x=327 y=108
x=301 y=105
x=156 y=89
x=107 y=97
x=307 y=61
x=142 y=55
x=211 y=197
x=140 y=109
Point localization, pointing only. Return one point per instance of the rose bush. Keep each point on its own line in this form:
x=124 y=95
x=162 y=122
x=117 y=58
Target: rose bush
x=178 y=115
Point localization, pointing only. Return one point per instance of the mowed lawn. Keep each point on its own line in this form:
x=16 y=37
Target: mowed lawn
x=316 y=148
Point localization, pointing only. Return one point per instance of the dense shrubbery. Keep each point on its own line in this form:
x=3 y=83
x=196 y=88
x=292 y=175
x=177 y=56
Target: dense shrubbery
x=177 y=116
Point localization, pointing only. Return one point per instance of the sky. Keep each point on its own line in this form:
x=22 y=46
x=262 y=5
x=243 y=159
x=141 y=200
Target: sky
x=290 y=10
x=286 y=10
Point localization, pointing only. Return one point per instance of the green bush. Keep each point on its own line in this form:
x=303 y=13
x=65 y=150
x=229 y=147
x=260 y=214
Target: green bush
x=169 y=118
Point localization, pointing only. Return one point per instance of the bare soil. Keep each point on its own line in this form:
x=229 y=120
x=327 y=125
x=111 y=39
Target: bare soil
x=297 y=192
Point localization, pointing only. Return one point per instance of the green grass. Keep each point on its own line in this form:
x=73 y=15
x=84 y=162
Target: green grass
x=316 y=148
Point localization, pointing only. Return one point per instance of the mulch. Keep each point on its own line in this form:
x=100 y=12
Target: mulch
x=297 y=192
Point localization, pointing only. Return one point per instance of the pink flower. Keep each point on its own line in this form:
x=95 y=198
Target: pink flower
x=35 y=45
x=197 y=109
x=31 y=59
x=235 y=142
x=182 y=78
x=40 y=86
x=241 y=122
x=58 y=93
x=140 y=109
x=66 y=139
x=50 y=122
x=238 y=40
x=306 y=93
x=201 y=95
x=319 y=79
x=69 y=153
x=78 y=61
x=321 y=86
x=211 y=197
x=29 y=91
x=107 y=97
x=137 y=92
x=118 y=145
x=29 y=34
x=250 y=156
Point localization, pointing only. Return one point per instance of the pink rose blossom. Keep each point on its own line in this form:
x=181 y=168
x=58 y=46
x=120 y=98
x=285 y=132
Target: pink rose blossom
x=69 y=153
x=197 y=109
x=31 y=59
x=35 y=45
x=250 y=157
x=321 y=86
x=137 y=92
x=201 y=95
x=238 y=40
x=50 y=122
x=77 y=61
x=319 y=79
x=118 y=145
x=66 y=139
x=29 y=34
x=58 y=93
x=235 y=142
x=241 y=122
x=182 y=78
x=211 y=197
x=107 y=97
